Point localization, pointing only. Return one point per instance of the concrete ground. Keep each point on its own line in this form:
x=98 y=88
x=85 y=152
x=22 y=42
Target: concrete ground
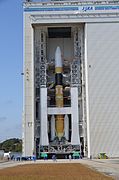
x=109 y=167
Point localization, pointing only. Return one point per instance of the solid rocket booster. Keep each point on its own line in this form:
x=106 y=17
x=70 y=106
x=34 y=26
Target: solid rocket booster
x=59 y=92
x=52 y=128
x=66 y=127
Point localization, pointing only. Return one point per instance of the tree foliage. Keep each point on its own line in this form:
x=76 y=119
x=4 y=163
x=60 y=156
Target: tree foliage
x=13 y=145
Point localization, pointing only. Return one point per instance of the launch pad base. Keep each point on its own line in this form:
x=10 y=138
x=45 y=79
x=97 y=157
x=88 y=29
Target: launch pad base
x=61 y=151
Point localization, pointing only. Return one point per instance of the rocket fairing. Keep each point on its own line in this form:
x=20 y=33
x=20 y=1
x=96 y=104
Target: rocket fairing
x=59 y=92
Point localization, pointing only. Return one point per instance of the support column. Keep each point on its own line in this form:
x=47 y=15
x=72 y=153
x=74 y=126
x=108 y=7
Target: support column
x=43 y=122
x=75 y=139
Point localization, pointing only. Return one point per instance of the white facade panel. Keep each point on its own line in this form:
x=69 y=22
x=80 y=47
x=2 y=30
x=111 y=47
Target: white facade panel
x=28 y=121
x=103 y=85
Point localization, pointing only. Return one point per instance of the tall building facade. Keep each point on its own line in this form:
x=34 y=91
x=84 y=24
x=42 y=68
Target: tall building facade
x=71 y=77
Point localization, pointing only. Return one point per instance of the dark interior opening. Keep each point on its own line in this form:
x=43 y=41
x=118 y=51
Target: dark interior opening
x=59 y=32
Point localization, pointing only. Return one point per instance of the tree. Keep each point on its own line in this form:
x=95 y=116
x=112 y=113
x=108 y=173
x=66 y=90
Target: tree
x=13 y=145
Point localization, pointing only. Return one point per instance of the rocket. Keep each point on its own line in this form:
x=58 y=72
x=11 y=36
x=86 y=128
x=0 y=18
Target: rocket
x=59 y=123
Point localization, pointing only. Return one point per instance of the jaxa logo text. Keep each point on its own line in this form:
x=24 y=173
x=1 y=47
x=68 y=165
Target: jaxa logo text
x=87 y=8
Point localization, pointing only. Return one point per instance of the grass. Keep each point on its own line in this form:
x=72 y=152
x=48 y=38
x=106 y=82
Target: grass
x=51 y=172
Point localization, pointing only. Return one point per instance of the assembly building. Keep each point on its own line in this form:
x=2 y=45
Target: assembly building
x=71 y=77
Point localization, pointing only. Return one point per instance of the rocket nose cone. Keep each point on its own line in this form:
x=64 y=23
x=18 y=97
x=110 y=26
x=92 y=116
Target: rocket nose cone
x=58 y=50
x=58 y=59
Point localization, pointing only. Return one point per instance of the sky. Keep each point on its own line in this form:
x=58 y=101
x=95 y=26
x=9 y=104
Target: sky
x=11 y=66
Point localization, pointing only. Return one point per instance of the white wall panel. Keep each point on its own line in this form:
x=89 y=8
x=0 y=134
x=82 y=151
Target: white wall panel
x=103 y=84
x=28 y=136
